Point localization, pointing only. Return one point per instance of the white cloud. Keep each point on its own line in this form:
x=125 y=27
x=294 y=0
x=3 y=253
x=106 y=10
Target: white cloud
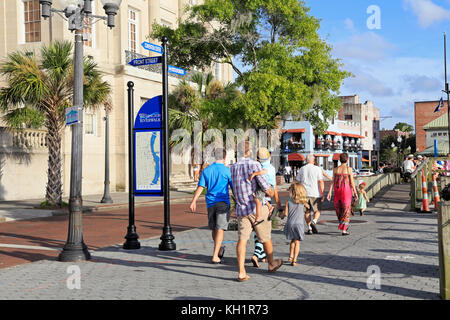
x=366 y=82
x=422 y=83
x=368 y=46
x=427 y=11
x=349 y=24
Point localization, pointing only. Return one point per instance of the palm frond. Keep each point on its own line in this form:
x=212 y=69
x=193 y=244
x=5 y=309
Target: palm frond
x=24 y=117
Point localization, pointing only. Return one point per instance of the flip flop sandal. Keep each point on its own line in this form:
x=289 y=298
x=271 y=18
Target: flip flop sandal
x=221 y=252
x=277 y=267
x=255 y=262
x=243 y=279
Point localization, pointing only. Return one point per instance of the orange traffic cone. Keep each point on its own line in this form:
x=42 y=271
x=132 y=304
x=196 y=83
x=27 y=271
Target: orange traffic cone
x=425 y=205
x=435 y=192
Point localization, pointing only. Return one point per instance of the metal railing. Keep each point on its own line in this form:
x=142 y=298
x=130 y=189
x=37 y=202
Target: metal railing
x=416 y=195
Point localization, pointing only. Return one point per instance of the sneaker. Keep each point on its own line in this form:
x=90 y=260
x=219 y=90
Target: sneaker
x=314 y=228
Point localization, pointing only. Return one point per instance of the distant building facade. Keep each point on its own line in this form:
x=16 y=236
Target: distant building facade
x=367 y=116
x=437 y=130
x=423 y=115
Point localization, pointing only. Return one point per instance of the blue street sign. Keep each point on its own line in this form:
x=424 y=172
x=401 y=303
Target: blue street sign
x=72 y=115
x=148 y=149
x=145 y=61
x=177 y=70
x=152 y=47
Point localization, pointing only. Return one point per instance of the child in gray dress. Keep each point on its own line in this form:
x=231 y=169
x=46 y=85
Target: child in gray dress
x=294 y=229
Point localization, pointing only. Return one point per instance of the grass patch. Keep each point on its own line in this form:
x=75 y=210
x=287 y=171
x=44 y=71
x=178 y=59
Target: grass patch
x=48 y=205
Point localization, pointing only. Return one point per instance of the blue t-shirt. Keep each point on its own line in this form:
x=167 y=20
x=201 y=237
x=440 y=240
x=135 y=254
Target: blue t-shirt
x=271 y=174
x=216 y=178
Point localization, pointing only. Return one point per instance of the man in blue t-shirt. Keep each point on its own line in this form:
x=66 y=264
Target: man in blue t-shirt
x=216 y=178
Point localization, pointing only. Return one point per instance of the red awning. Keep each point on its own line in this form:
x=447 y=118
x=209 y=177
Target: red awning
x=332 y=133
x=336 y=156
x=357 y=136
x=296 y=157
x=322 y=155
x=294 y=131
x=365 y=160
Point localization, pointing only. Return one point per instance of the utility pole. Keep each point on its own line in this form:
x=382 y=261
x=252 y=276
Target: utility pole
x=446 y=88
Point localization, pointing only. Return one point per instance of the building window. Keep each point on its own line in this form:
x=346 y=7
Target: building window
x=367 y=118
x=32 y=20
x=367 y=134
x=133 y=35
x=440 y=134
x=348 y=117
x=90 y=123
x=166 y=23
x=88 y=30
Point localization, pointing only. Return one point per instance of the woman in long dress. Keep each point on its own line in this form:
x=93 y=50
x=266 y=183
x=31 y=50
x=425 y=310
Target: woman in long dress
x=344 y=188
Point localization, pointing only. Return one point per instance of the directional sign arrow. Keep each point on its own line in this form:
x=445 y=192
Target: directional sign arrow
x=177 y=70
x=145 y=61
x=152 y=47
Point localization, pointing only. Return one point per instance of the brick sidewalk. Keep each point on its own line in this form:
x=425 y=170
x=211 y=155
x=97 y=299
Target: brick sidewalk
x=400 y=244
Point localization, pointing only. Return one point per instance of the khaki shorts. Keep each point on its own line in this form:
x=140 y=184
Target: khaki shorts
x=263 y=230
x=315 y=204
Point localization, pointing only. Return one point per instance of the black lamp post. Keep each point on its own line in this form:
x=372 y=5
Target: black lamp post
x=106 y=195
x=76 y=11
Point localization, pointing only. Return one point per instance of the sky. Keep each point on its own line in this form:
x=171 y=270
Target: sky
x=396 y=56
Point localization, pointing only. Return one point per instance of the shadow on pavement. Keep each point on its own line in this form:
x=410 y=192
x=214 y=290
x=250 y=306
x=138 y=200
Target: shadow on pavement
x=419 y=253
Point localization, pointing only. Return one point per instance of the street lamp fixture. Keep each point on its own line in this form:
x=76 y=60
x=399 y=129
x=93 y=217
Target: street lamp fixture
x=75 y=12
x=111 y=7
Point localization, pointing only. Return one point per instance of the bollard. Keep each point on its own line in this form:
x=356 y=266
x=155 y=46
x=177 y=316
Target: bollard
x=425 y=205
x=444 y=249
x=435 y=192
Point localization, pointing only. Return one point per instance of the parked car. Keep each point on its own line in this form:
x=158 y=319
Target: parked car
x=365 y=173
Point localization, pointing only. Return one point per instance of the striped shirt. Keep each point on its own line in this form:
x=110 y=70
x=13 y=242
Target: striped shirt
x=243 y=189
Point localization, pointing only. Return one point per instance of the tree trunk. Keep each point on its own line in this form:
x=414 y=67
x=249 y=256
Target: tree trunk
x=54 y=182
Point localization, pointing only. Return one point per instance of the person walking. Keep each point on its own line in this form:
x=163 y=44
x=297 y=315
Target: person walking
x=294 y=229
x=243 y=190
x=344 y=189
x=287 y=173
x=263 y=157
x=363 y=200
x=216 y=178
x=311 y=177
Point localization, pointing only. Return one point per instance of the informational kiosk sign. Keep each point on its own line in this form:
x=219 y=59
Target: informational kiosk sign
x=148 y=149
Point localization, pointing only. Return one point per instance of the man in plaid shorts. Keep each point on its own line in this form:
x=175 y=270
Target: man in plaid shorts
x=243 y=190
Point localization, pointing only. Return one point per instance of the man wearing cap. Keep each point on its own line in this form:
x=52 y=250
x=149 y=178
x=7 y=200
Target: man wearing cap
x=408 y=165
x=244 y=190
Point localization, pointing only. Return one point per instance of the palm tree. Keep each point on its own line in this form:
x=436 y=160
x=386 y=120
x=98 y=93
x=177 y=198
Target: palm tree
x=37 y=92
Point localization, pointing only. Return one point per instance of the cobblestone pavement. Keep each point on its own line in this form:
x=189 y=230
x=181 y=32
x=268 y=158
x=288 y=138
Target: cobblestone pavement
x=401 y=245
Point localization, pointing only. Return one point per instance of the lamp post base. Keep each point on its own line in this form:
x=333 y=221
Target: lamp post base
x=72 y=253
x=132 y=237
x=106 y=199
x=167 y=243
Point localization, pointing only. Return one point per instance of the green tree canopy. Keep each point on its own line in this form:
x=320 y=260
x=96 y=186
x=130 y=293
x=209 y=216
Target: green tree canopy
x=405 y=127
x=285 y=67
